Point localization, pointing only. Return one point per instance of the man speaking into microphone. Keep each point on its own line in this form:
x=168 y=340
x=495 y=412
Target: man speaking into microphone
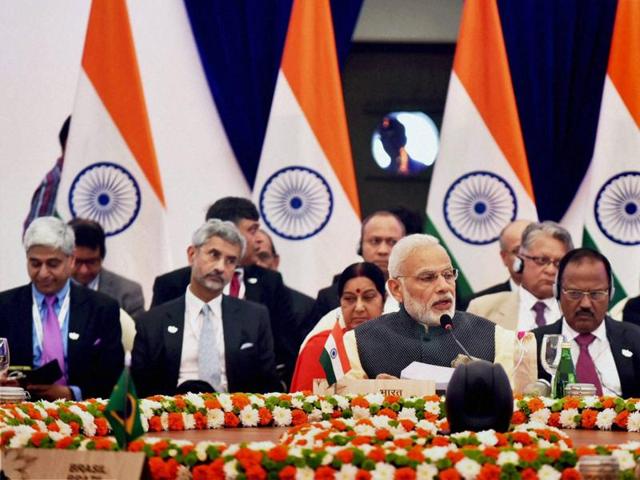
x=423 y=280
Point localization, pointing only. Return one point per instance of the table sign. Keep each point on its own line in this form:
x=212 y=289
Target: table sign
x=396 y=387
x=33 y=463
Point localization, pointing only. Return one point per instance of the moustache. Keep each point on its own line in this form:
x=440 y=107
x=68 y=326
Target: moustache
x=443 y=298
x=585 y=313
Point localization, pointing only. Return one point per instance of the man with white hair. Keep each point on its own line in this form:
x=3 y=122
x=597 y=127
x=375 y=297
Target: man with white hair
x=423 y=280
x=52 y=319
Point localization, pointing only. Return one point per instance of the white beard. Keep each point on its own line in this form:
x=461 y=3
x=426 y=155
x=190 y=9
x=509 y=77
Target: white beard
x=423 y=313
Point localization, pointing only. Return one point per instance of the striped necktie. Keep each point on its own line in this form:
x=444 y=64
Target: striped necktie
x=208 y=358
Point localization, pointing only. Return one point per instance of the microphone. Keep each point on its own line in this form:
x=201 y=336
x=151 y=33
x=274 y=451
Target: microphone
x=447 y=323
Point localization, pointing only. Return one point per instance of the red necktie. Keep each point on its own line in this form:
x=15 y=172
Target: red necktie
x=585 y=368
x=234 y=288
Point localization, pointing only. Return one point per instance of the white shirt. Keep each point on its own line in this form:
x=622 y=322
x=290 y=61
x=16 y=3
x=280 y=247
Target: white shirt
x=526 y=314
x=600 y=352
x=193 y=320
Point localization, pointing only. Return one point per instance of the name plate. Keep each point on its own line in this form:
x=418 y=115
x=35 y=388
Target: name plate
x=402 y=388
x=34 y=463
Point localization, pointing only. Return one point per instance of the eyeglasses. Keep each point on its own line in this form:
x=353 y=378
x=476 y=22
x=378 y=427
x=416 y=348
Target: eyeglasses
x=594 y=295
x=450 y=275
x=542 y=261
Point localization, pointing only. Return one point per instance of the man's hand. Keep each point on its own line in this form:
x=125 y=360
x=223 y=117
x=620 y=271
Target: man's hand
x=9 y=382
x=50 y=392
x=386 y=376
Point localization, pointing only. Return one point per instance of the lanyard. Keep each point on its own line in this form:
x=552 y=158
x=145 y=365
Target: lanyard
x=37 y=317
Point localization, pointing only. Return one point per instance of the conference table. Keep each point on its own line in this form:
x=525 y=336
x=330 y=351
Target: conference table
x=261 y=434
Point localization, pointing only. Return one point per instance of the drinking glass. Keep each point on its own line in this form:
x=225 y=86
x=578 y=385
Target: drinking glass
x=550 y=352
x=4 y=358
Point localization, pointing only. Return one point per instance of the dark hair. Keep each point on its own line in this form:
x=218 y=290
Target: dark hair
x=575 y=256
x=89 y=234
x=233 y=209
x=362 y=269
x=412 y=220
x=378 y=213
x=64 y=132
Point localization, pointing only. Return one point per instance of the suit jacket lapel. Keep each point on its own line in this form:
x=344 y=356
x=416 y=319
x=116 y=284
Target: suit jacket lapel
x=231 y=330
x=252 y=285
x=173 y=334
x=617 y=343
x=79 y=317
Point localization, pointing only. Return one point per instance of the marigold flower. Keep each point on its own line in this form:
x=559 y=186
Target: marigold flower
x=405 y=473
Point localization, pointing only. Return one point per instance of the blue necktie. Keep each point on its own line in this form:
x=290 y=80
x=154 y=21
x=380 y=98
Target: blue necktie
x=208 y=359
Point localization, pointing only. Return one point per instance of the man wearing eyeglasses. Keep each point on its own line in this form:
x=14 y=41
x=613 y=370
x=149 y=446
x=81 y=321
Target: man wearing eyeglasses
x=533 y=304
x=605 y=352
x=423 y=280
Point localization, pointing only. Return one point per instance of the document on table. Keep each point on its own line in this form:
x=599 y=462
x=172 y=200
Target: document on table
x=425 y=371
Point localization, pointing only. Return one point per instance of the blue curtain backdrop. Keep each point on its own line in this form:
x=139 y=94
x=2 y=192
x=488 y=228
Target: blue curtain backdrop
x=558 y=52
x=240 y=43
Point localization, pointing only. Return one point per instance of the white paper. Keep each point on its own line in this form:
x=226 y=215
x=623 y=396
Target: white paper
x=425 y=371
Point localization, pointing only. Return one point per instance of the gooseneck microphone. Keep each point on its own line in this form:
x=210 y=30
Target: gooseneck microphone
x=447 y=323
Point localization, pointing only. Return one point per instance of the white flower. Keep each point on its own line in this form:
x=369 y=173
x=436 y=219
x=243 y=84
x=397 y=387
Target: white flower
x=432 y=407
x=427 y=425
x=468 y=468
x=201 y=451
x=383 y=471
x=633 y=422
x=172 y=452
x=459 y=435
x=374 y=398
x=183 y=473
x=148 y=406
x=630 y=445
x=343 y=402
x=506 y=457
x=590 y=401
x=225 y=401
x=625 y=459
x=143 y=421
x=542 y=443
x=215 y=418
x=347 y=472
x=426 y=471
x=547 y=401
x=327 y=459
x=540 y=416
x=305 y=473
x=22 y=435
x=315 y=415
x=365 y=430
x=380 y=421
x=326 y=407
x=360 y=412
x=547 y=472
x=230 y=469
x=164 y=421
x=64 y=428
x=195 y=399
x=257 y=401
x=249 y=416
x=567 y=418
x=487 y=437
x=605 y=418
x=436 y=453
x=296 y=402
x=189 y=421
x=310 y=398
x=281 y=417
x=409 y=414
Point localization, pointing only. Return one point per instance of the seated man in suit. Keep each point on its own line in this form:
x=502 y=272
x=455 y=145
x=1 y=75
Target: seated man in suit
x=509 y=248
x=423 y=281
x=53 y=319
x=88 y=271
x=205 y=335
x=249 y=281
x=533 y=304
x=605 y=352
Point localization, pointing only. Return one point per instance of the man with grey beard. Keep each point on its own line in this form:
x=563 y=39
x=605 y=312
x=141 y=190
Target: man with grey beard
x=423 y=280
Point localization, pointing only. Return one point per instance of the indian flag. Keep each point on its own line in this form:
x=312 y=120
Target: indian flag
x=305 y=186
x=334 y=358
x=610 y=192
x=111 y=172
x=481 y=178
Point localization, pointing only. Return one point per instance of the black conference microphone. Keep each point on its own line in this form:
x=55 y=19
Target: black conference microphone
x=446 y=322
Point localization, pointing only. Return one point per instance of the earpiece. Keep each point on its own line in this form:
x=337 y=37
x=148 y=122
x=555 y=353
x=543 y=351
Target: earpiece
x=359 y=251
x=518 y=265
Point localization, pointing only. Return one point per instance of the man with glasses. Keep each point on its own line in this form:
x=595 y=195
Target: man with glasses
x=533 y=304
x=606 y=352
x=422 y=279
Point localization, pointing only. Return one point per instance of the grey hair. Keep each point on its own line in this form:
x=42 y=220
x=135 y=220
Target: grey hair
x=548 y=228
x=224 y=229
x=404 y=247
x=49 y=232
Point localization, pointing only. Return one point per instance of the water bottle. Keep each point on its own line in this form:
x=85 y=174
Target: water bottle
x=566 y=372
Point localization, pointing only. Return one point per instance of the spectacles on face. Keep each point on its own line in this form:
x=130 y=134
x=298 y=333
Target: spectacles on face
x=427 y=278
x=594 y=295
x=542 y=261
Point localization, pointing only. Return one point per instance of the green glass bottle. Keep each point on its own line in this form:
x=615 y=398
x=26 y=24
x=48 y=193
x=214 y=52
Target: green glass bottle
x=566 y=372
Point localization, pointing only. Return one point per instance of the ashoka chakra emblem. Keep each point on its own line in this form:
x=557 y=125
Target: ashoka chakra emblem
x=478 y=206
x=617 y=208
x=106 y=193
x=296 y=202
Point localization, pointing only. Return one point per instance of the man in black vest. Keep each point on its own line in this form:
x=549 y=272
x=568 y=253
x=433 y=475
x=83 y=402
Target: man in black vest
x=423 y=280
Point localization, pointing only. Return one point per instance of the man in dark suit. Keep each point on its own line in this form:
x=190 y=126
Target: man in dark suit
x=88 y=270
x=606 y=352
x=252 y=282
x=205 y=335
x=78 y=328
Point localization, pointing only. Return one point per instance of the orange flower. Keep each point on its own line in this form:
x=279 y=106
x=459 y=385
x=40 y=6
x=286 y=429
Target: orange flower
x=571 y=402
x=6 y=436
x=339 y=425
x=518 y=417
x=345 y=456
x=256 y=472
x=75 y=428
x=621 y=419
x=360 y=402
x=528 y=454
x=405 y=473
x=160 y=447
x=391 y=399
x=325 y=473
x=376 y=454
x=570 y=474
x=529 y=474
x=231 y=420
x=64 y=442
x=298 y=417
x=186 y=449
x=455 y=456
x=449 y=474
x=416 y=454
x=361 y=440
x=53 y=427
x=180 y=403
x=521 y=437
x=554 y=419
x=589 y=418
x=155 y=425
x=176 y=424
x=247 y=457
x=382 y=434
x=287 y=473
x=52 y=412
x=553 y=453
x=278 y=453
x=403 y=442
x=389 y=413
x=240 y=400
x=212 y=403
x=580 y=451
x=502 y=439
x=408 y=425
x=607 y=402
x=135 y=446
x=440 y=441
x=201 y=420
x=103 y=444
x=535 y=404
x=489 y=471
x=491 y=452
x=265 y=416
x=363 y=475
x=200 y=472
x=102 y=427
x=285 y=398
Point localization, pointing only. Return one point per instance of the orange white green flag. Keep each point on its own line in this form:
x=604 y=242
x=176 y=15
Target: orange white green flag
x=305 y=186
x=481 y=179
x=111 y=173
x=334 y=359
